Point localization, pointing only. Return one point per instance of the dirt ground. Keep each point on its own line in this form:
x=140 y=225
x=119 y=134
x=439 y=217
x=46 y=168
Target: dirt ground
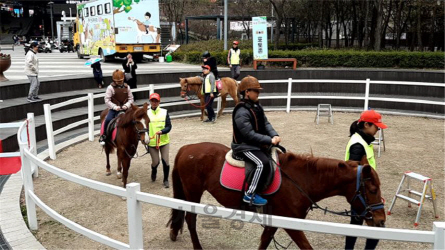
x=415 y=144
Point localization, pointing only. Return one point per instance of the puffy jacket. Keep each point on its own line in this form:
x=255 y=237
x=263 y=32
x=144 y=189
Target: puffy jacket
x=31 y=63
x=251 y=129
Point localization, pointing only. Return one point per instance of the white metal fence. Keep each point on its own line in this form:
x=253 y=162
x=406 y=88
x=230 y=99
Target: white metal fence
x=289 y=96
x=134 y=199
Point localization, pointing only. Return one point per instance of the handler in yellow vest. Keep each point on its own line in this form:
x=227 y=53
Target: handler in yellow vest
x=160 y=126
x=209 y=91
x=234 y=60
x=359 y=146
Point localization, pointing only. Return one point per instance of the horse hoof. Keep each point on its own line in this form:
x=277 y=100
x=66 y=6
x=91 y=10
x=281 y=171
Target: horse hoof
x=108 y=173
x=124 y=198
x=173 y=235
x=119 y=175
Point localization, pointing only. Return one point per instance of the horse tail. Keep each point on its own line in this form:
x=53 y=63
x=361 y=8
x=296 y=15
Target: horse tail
x=176 y=221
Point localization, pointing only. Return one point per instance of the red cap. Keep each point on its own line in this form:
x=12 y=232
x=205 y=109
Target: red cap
x=205 y=67
x=155 y=96
x=235 y=42
x=373 y=117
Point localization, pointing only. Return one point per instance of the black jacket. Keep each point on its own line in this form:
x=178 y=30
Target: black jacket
x=251 y=129
x=357 y=151
x=211 y=61
x=127 y=68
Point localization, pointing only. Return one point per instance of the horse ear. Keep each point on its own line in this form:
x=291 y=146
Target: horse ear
x=180 y=78
x=366 y=170
x=145 y=105
x=134 y=107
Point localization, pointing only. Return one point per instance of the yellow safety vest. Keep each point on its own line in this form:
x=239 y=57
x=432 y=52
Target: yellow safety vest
x=369 y=149
x=234 y=56
x=207 y=86
x=158 y=118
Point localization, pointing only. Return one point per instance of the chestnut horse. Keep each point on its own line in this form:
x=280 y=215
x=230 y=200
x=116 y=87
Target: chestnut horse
x=198 y=169
x=132 y=127
x=194 y=84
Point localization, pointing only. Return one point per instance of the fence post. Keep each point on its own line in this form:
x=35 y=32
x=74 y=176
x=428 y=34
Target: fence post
x=439 y=235
x=152 y=88
x=134 y=210
x=368 y=82
x=32 y=142
x=49 y=131
x=90 y=116
x=29 y=187
x=289 y=95
x=218 y=107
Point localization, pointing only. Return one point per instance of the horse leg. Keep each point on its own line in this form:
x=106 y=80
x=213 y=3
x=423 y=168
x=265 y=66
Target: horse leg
x=299 y=238
x=119 y=165
x=107 y=153
x=267 y=237
x=191 y=224
x=223 y=105
x=126 y=166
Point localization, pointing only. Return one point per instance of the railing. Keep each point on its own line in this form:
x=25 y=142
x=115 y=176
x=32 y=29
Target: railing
x=27 y=134
x=134 y=199
x=288 y=97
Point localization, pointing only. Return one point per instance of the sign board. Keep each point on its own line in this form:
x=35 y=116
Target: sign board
x=259 y=34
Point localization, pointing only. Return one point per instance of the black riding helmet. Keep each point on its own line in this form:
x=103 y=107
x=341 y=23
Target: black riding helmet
x=206 y=54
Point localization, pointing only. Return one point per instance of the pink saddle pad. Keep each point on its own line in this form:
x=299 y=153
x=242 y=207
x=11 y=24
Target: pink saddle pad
x=113 y=135
x=233 y=177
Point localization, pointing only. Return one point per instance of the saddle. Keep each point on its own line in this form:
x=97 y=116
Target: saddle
x=236 y=172
x=111 y=129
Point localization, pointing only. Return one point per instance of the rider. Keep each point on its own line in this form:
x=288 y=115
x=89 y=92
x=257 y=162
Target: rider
x=209 y=91
x=160 y=126
x=360 y=145
x=252 y=133
x=233 y=59
x=118 y=97
x=211 y=61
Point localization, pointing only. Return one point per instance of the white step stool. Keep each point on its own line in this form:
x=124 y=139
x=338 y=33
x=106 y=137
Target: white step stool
x=428 y=183
x=380 y=140
x=324 y=110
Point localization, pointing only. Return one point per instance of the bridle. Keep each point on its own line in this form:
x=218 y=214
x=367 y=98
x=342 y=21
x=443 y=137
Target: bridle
x=360 y=194
x=187 y=90
x=139 y=132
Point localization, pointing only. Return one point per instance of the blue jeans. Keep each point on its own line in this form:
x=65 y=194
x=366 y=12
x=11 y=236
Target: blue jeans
x=111 y=114
x=209 y=107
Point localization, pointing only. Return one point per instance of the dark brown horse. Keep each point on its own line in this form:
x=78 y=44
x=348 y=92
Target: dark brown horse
x=194 y=84
x=198 y=168
x=131 y=128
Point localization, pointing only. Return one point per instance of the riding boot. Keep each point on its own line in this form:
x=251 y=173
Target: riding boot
x=154 y=171
x=166 y=169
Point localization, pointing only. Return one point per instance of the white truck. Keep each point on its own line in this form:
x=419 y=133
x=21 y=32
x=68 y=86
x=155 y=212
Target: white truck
x=112 y=28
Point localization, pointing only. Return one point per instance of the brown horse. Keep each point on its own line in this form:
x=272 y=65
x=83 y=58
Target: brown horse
x=198 y=168
x=132 y=127
x=194 y=84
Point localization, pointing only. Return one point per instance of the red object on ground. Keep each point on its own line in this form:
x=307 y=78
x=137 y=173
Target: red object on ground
x=9 y=165
x=233 y=178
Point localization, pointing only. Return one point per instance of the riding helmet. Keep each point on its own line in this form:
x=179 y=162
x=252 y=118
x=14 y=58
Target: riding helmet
x=249 y=82
x=118 y=75
x=206 y=54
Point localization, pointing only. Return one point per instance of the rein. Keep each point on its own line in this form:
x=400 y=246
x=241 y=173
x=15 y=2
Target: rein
x=194 y=105
x=139 y=132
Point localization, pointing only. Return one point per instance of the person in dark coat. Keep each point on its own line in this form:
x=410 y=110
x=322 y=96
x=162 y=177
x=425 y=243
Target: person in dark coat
x=97 y=72
x=211 y=61
x=252 y=132
x=130 y=71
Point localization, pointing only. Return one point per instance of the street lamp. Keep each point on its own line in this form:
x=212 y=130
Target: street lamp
x=52 y=23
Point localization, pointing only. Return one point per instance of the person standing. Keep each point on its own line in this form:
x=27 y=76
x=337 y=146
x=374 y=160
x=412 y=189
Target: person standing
x=234 y=60
x=159 y=127
x=32 y=72
x=97 y=72
x=252 y=134
x=209 y=91
x=210 y=61
x=130 y=67
x=360 y=147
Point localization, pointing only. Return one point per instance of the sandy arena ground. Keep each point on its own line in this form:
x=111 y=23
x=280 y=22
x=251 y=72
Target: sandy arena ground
x=415 y=144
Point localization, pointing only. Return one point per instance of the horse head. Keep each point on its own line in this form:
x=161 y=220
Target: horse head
x=184 y=86
x=366 y=200
x=141 y=122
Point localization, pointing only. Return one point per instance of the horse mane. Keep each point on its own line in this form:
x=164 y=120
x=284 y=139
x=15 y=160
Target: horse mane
x=193 y=80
